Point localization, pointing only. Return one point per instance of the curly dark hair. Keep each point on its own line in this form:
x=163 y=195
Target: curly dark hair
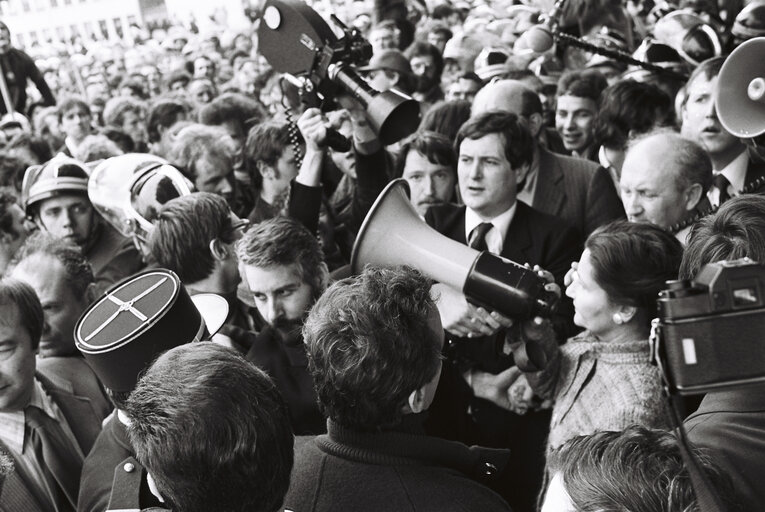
x=370 y=345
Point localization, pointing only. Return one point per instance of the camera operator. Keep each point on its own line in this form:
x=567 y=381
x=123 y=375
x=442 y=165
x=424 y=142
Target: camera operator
x=730 y=425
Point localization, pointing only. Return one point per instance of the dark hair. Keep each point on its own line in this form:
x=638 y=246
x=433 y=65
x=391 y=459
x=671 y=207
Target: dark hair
x=433 y=146
x=633 y=261
x=179 y=75
x=70 y=103
x=231 y=106
x=12 y=169
x=13 y=291
x=212 y=430
x=8 y=199
x=36 y=145
x=164 y=113
x=284 y=241
x=630 y=106
x=636 y=469
x=519 y=144
x=119 y=137
x=737 y=230
x=582 y=84
x=183 y=230
x=137 y=86
x=446 y=117
x=370 y=346
x=265 y=142
x=424 y=49
x=78 y=272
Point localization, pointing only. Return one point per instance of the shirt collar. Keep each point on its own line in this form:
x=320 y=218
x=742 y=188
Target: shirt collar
x=500 y=223
x=12 y=424
x=736 y=171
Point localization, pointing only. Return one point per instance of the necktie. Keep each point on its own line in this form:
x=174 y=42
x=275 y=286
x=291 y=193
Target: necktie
x=56 y=456
x=722 y=184
x=478 y=242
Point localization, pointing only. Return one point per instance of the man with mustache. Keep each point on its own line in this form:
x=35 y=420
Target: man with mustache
x=429 y=165
x=283 y=266
x=427 y=64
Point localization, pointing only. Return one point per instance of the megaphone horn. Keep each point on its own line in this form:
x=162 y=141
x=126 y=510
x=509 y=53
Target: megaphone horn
x=740 y=98
x=393 y=234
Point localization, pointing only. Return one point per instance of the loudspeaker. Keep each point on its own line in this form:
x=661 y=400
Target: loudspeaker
x=740 y=98
x=393 y=234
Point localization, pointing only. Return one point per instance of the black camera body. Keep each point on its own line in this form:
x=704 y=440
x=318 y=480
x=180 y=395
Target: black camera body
x=710 y=333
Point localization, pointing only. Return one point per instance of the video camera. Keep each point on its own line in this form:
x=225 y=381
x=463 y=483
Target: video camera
x=710 y=334
x=297 y=41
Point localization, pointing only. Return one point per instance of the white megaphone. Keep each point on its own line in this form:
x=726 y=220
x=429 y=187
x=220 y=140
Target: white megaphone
x=541 y=38
x=740 y=99
x=393 y=234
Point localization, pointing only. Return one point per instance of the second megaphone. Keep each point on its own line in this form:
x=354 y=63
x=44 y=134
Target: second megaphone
x=393 y=234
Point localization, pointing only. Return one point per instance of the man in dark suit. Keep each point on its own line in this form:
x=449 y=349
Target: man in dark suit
x=48 y=424
x=735 y=170
x=575 y=190
x=472 y=404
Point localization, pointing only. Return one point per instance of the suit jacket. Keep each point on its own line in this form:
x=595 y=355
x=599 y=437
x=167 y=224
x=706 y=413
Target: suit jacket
x=536 y=238
x=83 y=407
x=577 y=191
x=102 y=465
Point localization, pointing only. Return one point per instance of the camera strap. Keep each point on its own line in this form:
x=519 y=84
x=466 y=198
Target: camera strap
x=708 y=500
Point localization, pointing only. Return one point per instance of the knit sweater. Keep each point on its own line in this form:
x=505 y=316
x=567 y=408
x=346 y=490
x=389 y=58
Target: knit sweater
x=600 y=386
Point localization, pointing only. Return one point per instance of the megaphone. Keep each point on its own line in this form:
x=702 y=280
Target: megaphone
x=540 y=38
x=393 y=234
x=294 y=39
x=740 y=98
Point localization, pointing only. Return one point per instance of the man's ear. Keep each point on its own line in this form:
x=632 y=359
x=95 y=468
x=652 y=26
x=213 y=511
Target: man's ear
x=91 y=294
x=522 y=172
x=219 y=249
x=535 y=124
x=693 y=196
x=416 y=400
x=264 y=169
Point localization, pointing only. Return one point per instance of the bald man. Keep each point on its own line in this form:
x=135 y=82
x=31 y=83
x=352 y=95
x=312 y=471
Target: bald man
x=664 y=181
x=578 y=192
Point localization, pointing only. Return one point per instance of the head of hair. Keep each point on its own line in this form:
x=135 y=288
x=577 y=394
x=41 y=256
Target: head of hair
x=231 y=106
x=12 y=169
x=136 y=86
x=119 y=137
x=630 y=107
x=687 y=158
x=212 y=430
x=23 y=296
x=433 y=146
x=446 y=117
x=164 y=113
x=71 y=103
x=370 y=345
x=116 y=109
x=736 y=231
x=425 y=49
x=183 y=230
x=515 y=135
x=633 y=261
x=78 y=273
x=8 y=198
x=179 y=75
x=36 y=145
x=708 y=69
x=588 y=84
x=198 y=141
x=636 y=469
x=265 y=143
x=282 y=241
x=97 y=147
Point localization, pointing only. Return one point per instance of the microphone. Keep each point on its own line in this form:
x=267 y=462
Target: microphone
x=540 y=38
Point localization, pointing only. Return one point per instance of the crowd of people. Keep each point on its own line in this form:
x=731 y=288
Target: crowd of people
x=181 y=327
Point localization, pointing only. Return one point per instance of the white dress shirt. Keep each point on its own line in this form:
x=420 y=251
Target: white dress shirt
x=495 y=237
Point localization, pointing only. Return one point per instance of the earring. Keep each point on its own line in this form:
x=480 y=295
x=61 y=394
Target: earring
x=617 y=318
